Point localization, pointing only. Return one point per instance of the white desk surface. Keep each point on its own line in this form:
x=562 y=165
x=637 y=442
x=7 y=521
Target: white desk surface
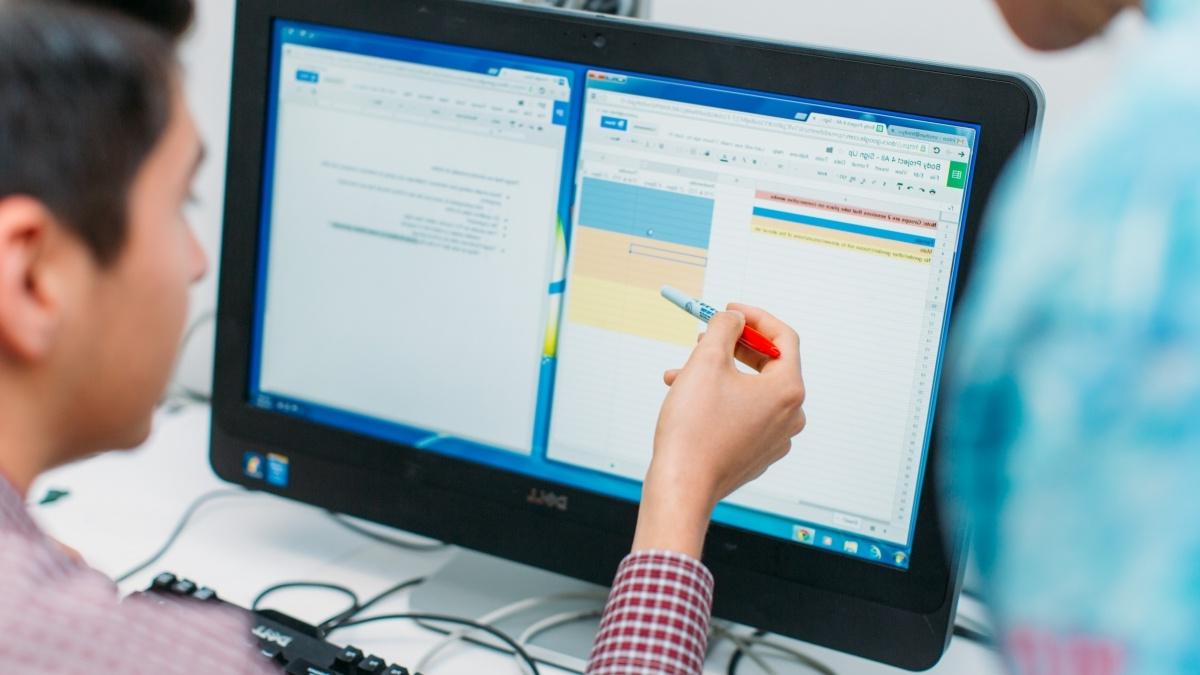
x=122 y=506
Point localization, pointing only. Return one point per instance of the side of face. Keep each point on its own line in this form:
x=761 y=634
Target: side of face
x=1058 y=24
x=123 y=337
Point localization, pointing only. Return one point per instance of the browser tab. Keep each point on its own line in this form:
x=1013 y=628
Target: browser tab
x=528 y=76
x=541 y=84
x=925 y=135
x=846 y=123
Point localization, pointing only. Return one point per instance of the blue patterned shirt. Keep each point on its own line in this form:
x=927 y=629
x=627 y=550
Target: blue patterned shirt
x=1073 y=426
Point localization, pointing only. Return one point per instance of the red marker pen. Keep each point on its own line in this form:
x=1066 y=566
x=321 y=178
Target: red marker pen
x=750 y=338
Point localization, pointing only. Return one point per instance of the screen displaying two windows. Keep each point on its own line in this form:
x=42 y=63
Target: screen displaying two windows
x=463 y=252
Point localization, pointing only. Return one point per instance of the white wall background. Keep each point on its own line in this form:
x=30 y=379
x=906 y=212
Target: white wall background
x=963 y=32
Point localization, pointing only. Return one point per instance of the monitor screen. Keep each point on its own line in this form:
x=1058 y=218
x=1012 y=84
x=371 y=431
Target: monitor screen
x=462 y=252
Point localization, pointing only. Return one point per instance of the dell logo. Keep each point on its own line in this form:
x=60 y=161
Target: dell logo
x=263 y=633
x=546 y=498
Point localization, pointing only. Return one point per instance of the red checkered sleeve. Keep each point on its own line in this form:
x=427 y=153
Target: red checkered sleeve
x=656 y=620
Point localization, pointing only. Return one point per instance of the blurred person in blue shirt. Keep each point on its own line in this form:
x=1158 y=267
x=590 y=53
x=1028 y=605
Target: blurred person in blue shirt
x=1073 y=432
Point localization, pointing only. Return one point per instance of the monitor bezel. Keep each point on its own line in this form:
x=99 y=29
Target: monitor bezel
x=900 y=617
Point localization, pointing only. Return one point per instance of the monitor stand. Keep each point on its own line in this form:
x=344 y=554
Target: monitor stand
x=472 y=585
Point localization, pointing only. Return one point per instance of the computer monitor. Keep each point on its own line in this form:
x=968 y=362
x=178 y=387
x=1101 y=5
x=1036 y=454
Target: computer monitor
x=447 y=226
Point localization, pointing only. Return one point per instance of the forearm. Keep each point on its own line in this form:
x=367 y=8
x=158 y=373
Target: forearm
x=657 y=617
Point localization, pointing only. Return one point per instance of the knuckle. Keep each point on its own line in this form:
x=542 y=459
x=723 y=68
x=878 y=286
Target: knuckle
x=792 y=396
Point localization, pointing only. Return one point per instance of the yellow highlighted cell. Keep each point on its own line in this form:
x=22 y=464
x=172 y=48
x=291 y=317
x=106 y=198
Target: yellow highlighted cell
x=620 y=307
x=897 y=250
x=637 y=261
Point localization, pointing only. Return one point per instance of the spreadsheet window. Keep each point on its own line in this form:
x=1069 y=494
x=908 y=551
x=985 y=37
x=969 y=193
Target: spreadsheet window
x=842 y=230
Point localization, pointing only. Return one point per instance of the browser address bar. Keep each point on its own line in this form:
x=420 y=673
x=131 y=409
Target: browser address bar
x=670 y=108
x=327 y=58
x=865 y=139
x=771 y=124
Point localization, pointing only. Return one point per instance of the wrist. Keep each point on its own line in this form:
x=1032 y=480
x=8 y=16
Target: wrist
x=674 y=515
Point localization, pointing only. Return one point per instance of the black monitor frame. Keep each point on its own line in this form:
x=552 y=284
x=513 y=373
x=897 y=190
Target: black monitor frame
x=898 y=617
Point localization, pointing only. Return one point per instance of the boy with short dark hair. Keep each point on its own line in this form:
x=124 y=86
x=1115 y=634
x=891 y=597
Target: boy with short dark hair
x=97 y=155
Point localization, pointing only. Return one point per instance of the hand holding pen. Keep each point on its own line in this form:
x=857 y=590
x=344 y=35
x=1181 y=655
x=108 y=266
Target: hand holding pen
x=719 y=428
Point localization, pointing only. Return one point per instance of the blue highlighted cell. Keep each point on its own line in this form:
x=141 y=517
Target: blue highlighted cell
x=308 y=76
x=845 y=227
x=616 y=123
x=646 y=212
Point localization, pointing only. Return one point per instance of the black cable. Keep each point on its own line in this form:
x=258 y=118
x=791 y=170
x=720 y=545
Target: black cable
x=382 y=538
x=796 y=656
x=974 y=636
x=324 y=585
x=735 y=659
x=356 y=607
x=326 y=626
x=183 y=521
x=438 y=618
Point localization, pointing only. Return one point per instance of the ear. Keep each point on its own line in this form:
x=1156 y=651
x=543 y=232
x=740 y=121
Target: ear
x=29 y=306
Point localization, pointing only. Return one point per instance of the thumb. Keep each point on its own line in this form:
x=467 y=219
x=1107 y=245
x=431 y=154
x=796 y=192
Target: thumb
x=723 y=332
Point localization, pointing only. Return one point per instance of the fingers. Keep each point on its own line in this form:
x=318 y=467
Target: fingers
x=764 y=322
x=777 y=332
x=744 y=354
x=721 y=338
x=751 y=358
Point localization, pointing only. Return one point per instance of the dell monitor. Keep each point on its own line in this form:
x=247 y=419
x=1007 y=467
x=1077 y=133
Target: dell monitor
x=446 y=230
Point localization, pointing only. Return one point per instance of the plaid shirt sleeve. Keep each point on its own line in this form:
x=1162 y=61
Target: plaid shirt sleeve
x=656 y=620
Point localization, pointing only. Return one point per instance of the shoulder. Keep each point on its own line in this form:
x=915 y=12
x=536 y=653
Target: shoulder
x=1138 y=141
x=1109 y=214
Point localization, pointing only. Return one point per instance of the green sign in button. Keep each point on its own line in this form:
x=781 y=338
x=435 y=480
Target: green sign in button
x=957 y=177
